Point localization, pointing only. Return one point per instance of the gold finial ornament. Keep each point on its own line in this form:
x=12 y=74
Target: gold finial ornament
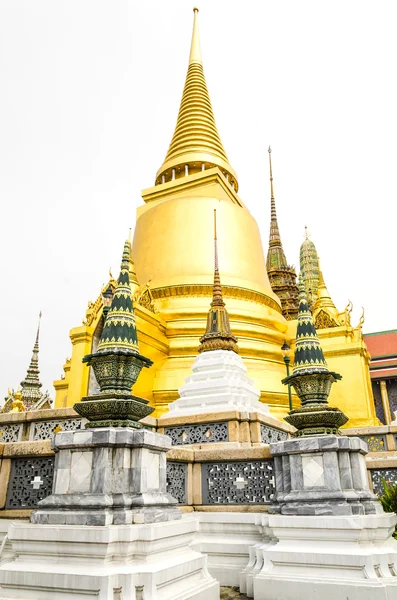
x=218 y=335
x=196 y=145
x=195 y=50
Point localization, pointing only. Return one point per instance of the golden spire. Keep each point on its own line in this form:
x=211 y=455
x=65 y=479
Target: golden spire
x=196 y=144
x=132 y=272
x=218 y=335
x=195 y=50
x=324 y=298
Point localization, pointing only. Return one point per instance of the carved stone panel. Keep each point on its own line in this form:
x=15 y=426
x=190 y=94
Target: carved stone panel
x=245 y=482
x=380 y=413
x=378 y=474
x=197 y=434
x=30 y=481
x=269 y=435
x=177 y=481
x=46 y=430
x=10 y=433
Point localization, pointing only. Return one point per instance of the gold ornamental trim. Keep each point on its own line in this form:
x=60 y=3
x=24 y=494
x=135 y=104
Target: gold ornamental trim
x=229 y=291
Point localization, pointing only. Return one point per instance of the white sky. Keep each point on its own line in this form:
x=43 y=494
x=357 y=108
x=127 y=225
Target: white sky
x=89 y=100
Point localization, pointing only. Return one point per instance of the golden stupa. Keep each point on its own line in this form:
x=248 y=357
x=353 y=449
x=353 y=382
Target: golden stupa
x=172 y=276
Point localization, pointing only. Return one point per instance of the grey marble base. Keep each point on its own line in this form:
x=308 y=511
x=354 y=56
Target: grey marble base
x=109 y=476
x=322 y=476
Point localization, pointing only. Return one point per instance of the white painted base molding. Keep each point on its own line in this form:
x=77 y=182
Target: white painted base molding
x=112 y=562
x=328 y=558
x=218 y=383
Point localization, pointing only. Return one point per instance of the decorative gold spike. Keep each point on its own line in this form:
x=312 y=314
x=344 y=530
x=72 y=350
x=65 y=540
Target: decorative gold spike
x=195 y=51
x=196 y=144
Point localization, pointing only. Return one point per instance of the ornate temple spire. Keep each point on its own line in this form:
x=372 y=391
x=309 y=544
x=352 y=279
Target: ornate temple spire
x=218 y=335
x=282 y=277
x=309 y=357
x=30 y=386
x=309 y=267
x=325 y=313
x=312 y=380
x=119 y=332
x=196 y=144
x=275 y=256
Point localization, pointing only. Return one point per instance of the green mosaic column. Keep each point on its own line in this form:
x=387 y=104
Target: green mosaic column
x=117 y=363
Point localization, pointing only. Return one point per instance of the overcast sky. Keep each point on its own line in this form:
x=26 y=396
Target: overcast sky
x=89 y=100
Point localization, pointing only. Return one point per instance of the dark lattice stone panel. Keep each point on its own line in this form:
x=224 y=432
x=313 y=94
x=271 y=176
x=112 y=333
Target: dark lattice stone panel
x=269 y=435
x=378 y=474
x=391 y=386
x=376 y=443
x=30 y=481
x=197 y=434
x=10 y=433
x=46 y=430
x=378 y=402
x=177 y=481
x=238 y=482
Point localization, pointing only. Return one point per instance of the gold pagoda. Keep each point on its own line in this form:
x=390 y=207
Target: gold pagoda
x=171 y=275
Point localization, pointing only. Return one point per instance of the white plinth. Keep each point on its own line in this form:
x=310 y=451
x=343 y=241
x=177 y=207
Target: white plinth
x=226 y=539
x=112 y=562
x=329 y=558
x=218 y=383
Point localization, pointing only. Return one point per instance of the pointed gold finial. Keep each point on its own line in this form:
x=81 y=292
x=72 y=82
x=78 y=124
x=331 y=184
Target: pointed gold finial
x=130 y=235
x=306 y=233
x=195 y=50
x=218 y=335
x=196 y=145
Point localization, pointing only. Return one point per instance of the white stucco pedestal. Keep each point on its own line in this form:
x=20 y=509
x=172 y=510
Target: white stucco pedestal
x=151 y=561
x=218 y=383
x=329 y=558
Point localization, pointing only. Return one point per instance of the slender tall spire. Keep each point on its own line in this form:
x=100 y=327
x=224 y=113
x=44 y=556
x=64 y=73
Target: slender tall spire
x=218 y=335
x=275 y=256
x=309 y=267
x=196 y=144
x=30 y=386
x=282 y=277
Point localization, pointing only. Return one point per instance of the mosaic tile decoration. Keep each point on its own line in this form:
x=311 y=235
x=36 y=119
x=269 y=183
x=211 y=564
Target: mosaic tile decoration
x=376 y=443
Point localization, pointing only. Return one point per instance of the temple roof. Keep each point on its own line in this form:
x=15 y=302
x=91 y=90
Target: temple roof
x=196 y=141
x=218 y=335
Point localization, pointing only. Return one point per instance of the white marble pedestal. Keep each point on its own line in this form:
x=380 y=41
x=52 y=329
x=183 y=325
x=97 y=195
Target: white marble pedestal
x=329 y=558
x=112 y=562
x=218 y=383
